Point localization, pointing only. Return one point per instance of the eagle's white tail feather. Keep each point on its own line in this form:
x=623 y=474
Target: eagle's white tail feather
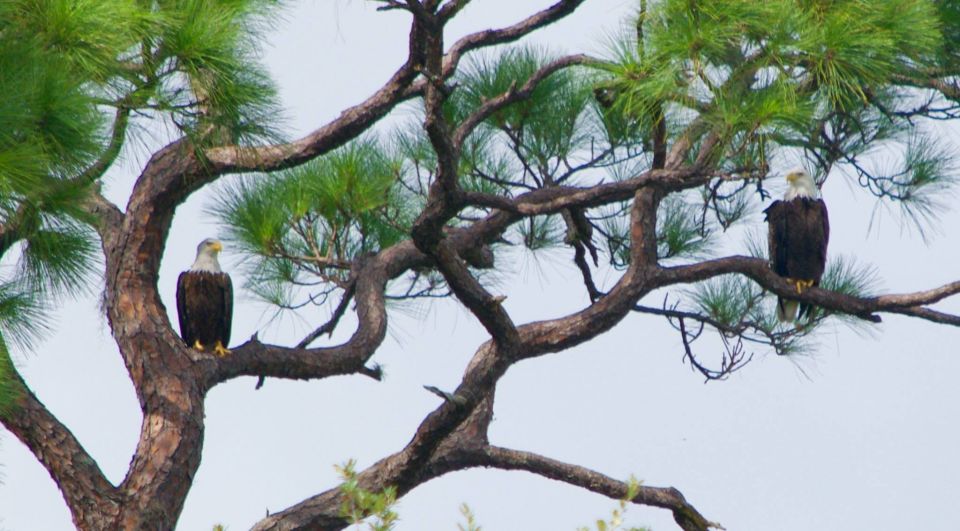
x=787 y=310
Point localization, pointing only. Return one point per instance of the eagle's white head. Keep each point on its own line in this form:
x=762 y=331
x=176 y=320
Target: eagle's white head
x=801 y=185
x=207 y=253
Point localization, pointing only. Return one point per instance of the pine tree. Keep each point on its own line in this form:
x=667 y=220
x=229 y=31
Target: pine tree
x=640 y=162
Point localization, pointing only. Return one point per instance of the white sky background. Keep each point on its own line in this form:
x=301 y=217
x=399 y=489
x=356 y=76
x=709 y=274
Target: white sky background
x=868 y=441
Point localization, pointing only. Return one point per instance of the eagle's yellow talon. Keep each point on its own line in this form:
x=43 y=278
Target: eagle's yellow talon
x=197 y=345
x=220 y=350
x=800 y=285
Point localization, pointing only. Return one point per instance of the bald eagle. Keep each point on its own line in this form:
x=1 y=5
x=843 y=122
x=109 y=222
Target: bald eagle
x=799 y=231
x=205 y=301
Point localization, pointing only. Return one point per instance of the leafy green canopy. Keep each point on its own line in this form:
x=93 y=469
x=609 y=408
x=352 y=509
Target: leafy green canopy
x=73 y=72
x=831 y=81
x=212 y=45
x=819 y=76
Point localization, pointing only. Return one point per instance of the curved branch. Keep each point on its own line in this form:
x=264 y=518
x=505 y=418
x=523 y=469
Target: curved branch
x=508 y=34
x=513 y=95
x=451 y=8
x=444 y=199
x=864 y=307
x=112 y=151
x=331 y=324
x=109 y=217
x=482 y=39
x=254 y=358
x=406 y=469
x=686 y=516
x=350 y=123
x=487 y=308
x=90 y=497
x=929 y=315
x=168 y=381
x=257 y=359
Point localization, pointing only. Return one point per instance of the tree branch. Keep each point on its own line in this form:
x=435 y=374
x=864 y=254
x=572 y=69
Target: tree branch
x=405 y=469
x=470 y=403
x=331 y=324
x=487 y=308
x=864 y=307
x=254 y=358
x=109 y=217
x=556 y=198
x=112 y=151
x=686 y=516
x=350 y=123
x=86 y=490
x=513 y=95
x=494 y=37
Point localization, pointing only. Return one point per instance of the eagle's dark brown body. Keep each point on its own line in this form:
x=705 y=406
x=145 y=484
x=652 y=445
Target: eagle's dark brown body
x=799 y=232
x=205 y=307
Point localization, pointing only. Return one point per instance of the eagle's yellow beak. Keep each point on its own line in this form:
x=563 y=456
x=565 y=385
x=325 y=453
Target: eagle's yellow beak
x=792 y=176
x=217 y=246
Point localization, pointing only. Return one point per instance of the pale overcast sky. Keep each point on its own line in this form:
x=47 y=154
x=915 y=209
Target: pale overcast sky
x=864 y=435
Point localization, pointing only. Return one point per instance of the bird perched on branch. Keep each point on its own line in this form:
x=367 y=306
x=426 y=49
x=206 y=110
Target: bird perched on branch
x=799 y=230
x=205 y=301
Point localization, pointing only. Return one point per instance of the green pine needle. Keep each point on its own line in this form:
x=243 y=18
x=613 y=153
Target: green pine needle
x=728 y=299
x=10 y=389
x=679 y=232
x=549 y=121
x=59 y=260
x=310 y=222
x=23 y=318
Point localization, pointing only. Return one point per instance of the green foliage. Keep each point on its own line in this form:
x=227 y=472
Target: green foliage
x=540 y=232
x=315 y=219
x=543 y=126
x=727 y=299
x=9 y=388
x=781 y=74
x=680 y=231
x=616 y=521
x=750 y=64
x=923 y=185
x=949 y=12
x=65 y=64
x=192 y=60
x=212 y=45
x=59 y=259
x=22 y=316
x=48 y=126
x=844 y=275
x=360 y=504
x=87 y=35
